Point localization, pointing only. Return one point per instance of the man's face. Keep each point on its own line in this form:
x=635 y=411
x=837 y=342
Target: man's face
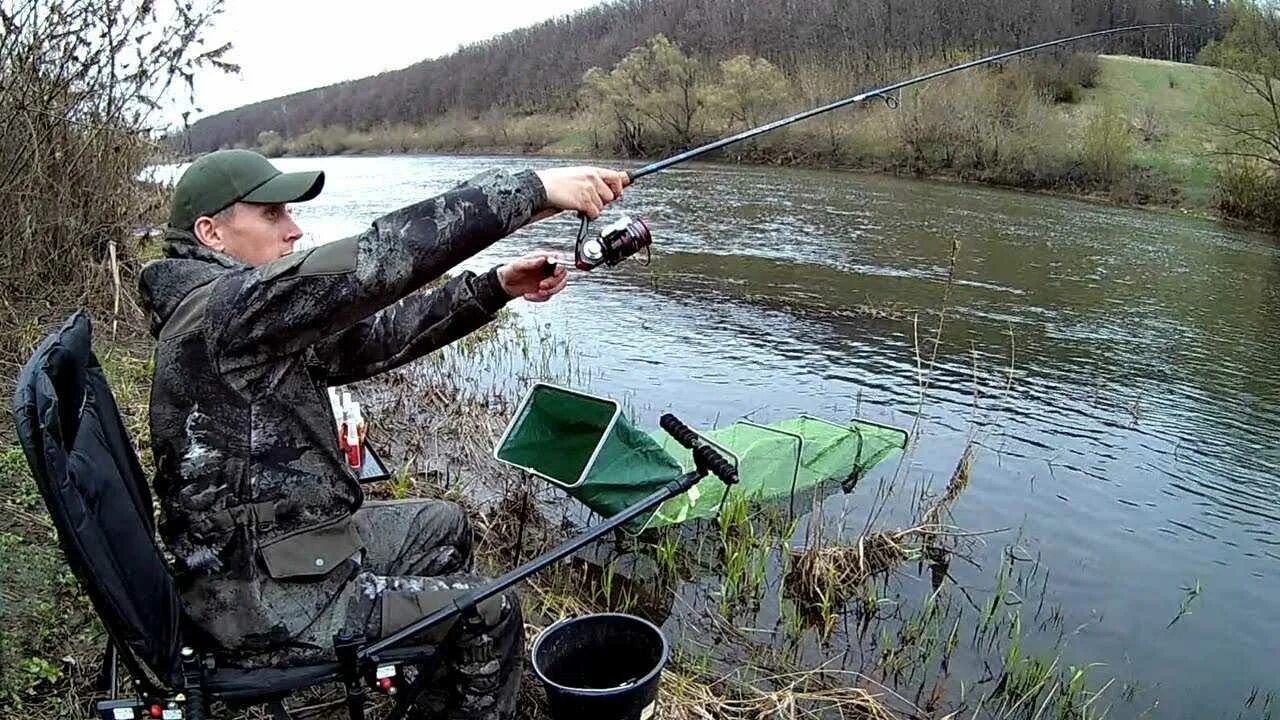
x=252 y=233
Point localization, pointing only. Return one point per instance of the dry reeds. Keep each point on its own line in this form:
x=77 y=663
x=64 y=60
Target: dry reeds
x=955 y=486
x=823 y=578
x=812 y=694
x=846 y=566
x=830 y=576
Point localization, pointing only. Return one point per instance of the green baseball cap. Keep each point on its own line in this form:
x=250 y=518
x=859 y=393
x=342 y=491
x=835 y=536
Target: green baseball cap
x=222 y=178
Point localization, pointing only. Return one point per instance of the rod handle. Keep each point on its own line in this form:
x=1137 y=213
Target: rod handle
x=678 y=430
x=705 y=456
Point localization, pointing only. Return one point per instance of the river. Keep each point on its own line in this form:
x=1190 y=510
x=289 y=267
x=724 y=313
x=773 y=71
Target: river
x=1116 y=369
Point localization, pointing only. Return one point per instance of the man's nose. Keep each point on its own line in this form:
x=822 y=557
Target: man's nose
x=294 y=233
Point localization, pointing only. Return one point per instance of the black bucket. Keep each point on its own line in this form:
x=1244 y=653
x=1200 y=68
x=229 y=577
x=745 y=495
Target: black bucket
x=601 y=667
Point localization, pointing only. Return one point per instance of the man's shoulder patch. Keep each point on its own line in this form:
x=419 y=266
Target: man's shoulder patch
x=188 y=317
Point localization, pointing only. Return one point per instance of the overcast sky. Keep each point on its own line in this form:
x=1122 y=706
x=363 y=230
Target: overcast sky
x=283 y=46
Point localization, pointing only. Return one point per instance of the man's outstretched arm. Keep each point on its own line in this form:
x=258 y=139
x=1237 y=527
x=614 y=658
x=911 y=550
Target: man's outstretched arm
x=258 y=315
x=428 y=320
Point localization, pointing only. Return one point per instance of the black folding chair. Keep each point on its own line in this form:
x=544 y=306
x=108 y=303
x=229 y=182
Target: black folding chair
x=98 y=496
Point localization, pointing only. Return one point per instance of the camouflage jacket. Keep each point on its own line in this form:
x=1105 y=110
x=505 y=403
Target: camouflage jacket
x=248 y=470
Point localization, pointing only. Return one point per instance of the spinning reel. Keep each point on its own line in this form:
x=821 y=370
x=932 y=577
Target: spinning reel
x=616 y=242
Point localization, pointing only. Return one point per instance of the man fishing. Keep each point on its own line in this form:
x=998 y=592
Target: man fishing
x=275 y=551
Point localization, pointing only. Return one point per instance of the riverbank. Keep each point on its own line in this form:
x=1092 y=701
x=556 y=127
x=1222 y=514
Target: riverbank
x=1083 y=433
x=438 y=432
x=579 y=155
x=51 y=640
x=1138 y=135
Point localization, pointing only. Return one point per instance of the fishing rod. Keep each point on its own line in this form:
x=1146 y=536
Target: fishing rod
x=626 y=237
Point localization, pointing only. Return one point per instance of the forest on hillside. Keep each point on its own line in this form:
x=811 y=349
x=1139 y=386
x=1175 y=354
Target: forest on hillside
x=540 y=69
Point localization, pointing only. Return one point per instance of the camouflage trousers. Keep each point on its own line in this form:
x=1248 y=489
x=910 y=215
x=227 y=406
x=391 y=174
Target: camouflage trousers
x=416 y=558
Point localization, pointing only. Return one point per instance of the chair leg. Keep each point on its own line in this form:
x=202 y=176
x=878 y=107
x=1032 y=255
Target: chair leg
x=347 y=648
x=107 y=678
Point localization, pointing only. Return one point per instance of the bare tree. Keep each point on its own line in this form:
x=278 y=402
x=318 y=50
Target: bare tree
x=655 y=88
x=80 y=84
x=1247 y=117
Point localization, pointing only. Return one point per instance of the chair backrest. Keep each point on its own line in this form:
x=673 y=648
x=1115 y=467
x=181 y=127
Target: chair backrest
x=97 y=494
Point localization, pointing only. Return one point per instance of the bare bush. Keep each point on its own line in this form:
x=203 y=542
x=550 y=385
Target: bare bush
x=534 y=132
x=1245 y=115
x=80 y=84
x=1149 y=125
x=1064 y=77
x=1107 y=145
x=1248 y=191
x=930 y=126
x=1083 y=69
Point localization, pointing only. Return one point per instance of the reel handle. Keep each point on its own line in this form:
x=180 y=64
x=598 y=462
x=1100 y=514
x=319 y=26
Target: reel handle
x=584 y=223
x=705 y=456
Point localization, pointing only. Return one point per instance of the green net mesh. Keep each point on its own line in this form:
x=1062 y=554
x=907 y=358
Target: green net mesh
x=585 y=445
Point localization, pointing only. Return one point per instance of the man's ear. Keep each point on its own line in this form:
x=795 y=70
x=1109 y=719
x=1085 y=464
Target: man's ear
x=206 y=231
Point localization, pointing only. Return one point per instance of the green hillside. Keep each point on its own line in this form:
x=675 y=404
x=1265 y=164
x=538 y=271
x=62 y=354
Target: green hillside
x=1168 y=102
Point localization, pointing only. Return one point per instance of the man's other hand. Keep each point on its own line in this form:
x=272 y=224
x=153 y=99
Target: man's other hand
x=528 y=278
